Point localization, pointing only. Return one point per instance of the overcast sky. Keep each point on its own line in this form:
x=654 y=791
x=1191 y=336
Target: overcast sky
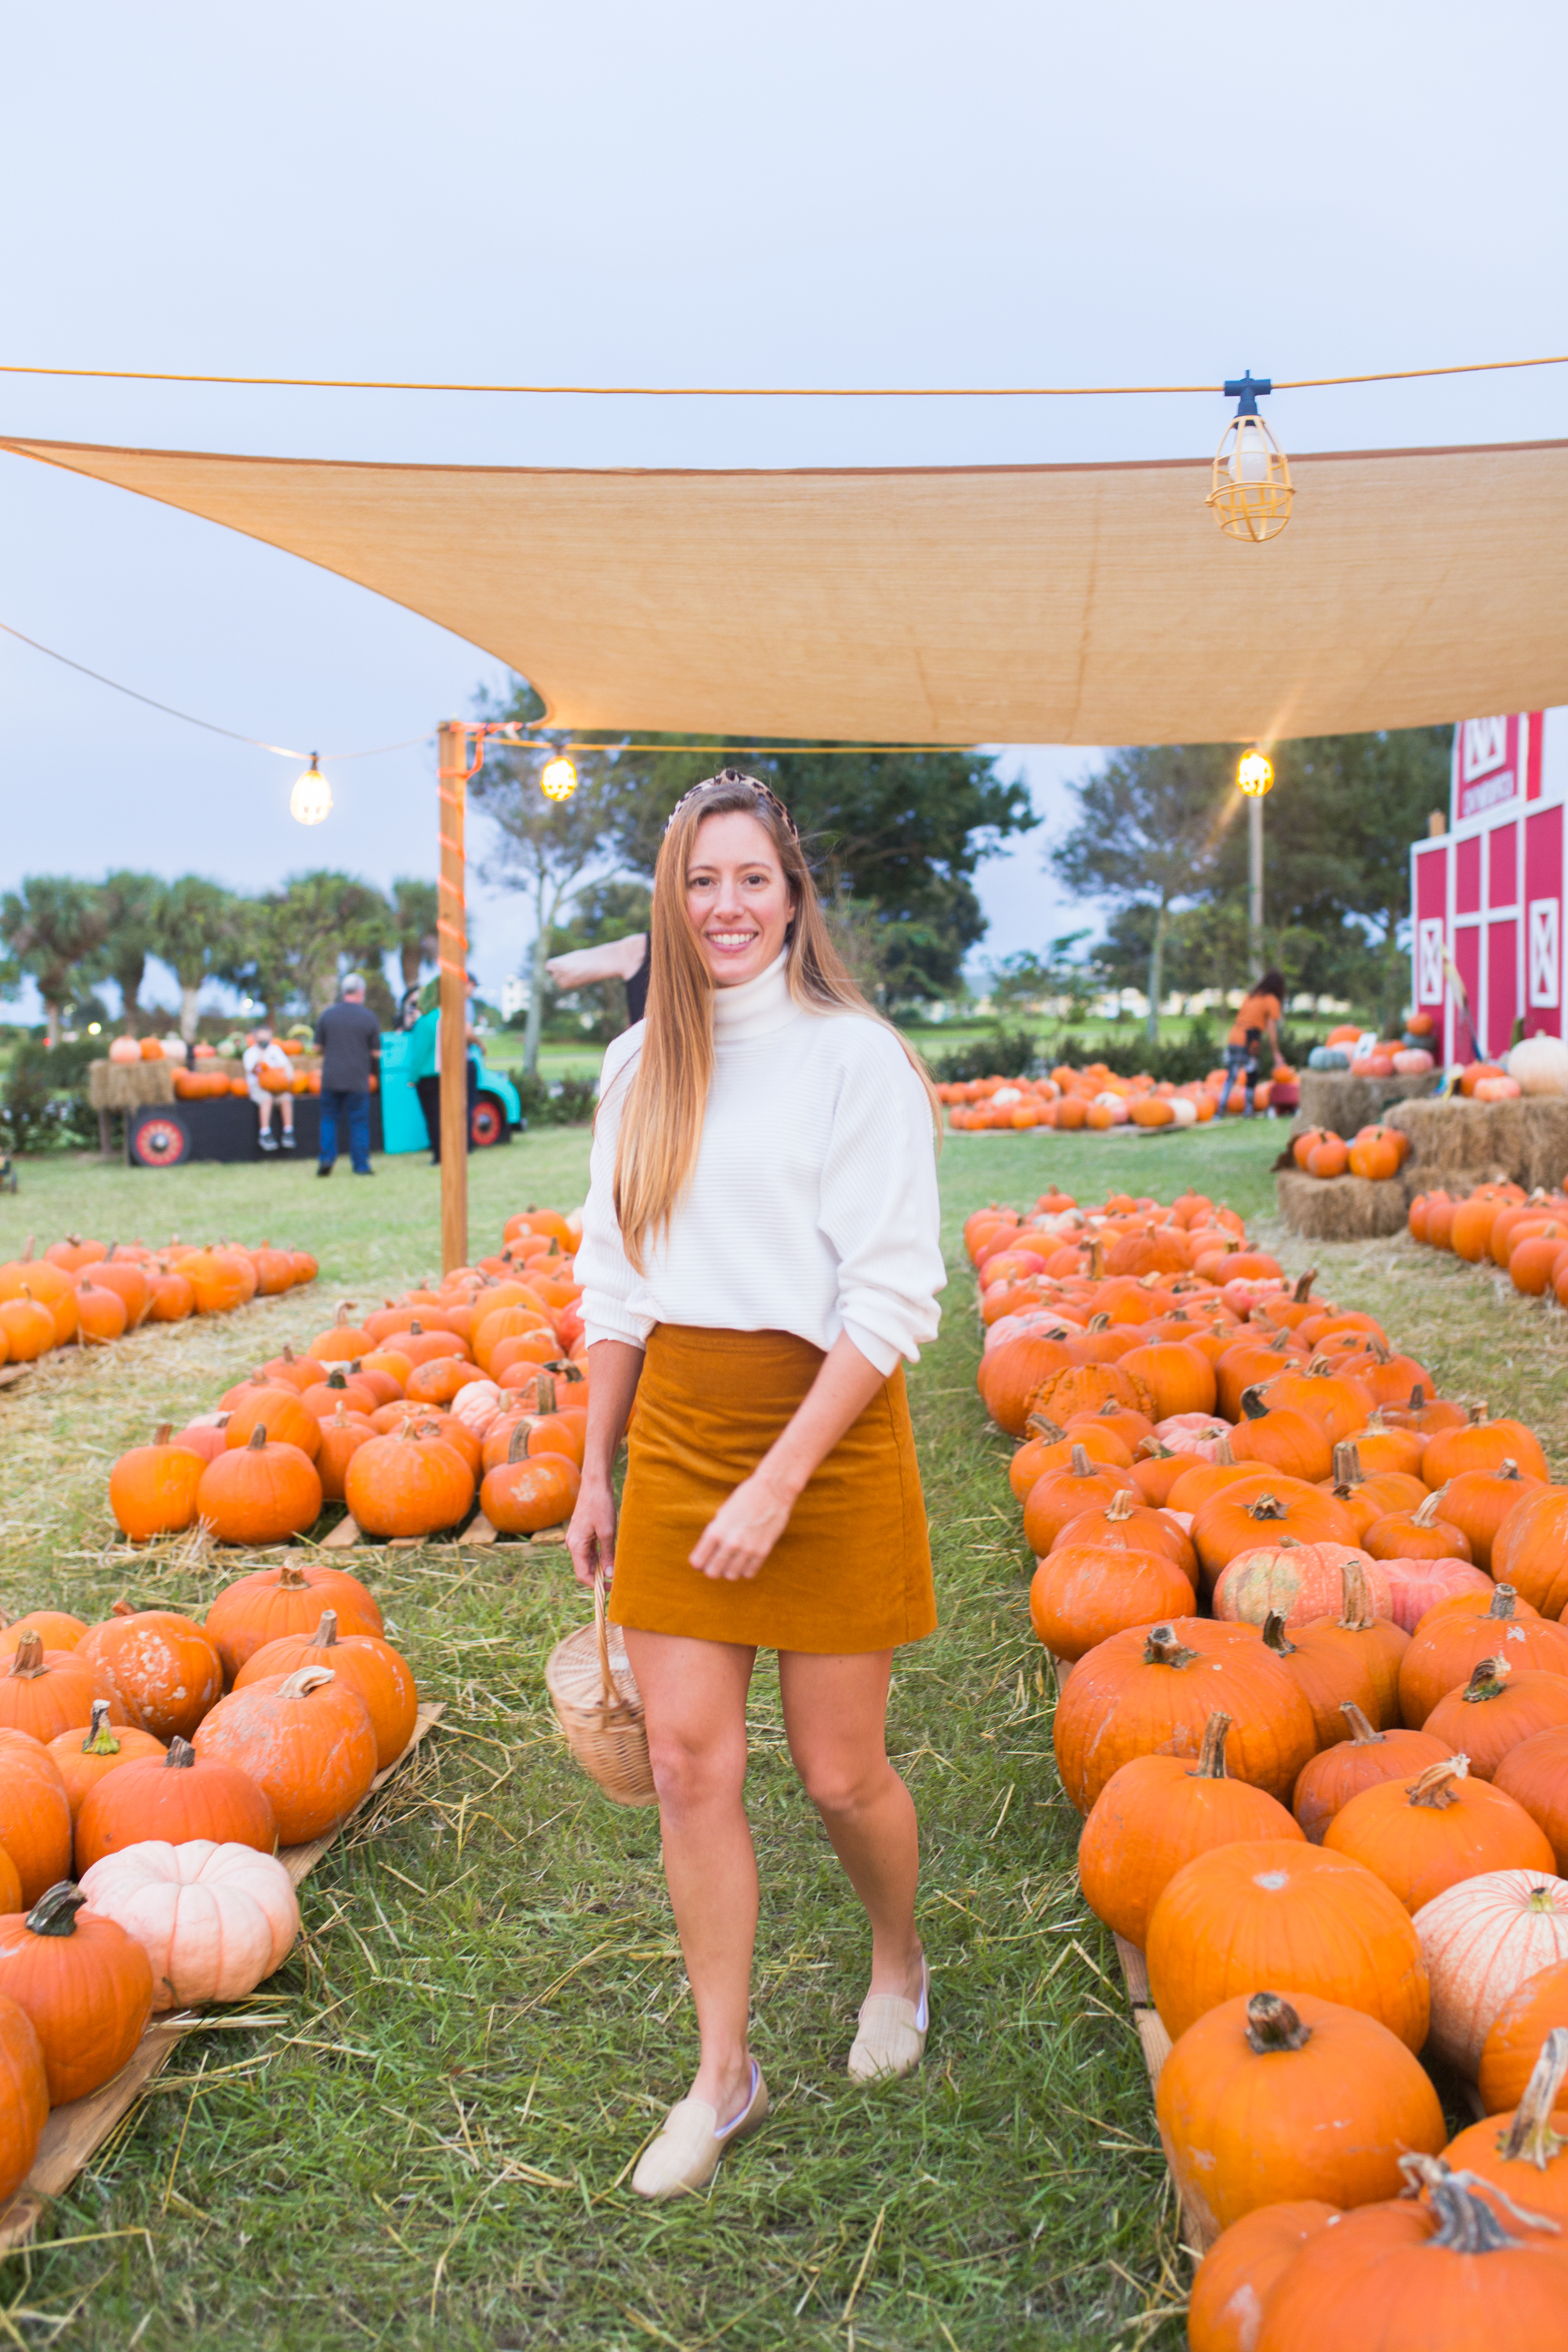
x=1010 y=192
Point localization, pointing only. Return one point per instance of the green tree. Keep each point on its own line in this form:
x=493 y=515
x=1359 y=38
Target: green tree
x=415 y=904
x=54 y=927
x=1147 y=836
x=198 y=929
x=303 y=937
x=132 y=906
x=599 y=912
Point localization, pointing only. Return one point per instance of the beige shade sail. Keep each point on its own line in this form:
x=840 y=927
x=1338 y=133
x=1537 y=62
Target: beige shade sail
x=1008 y=603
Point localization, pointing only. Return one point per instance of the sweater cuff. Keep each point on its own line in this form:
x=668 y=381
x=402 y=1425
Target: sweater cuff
x=878 y=1353
x=608 y=1319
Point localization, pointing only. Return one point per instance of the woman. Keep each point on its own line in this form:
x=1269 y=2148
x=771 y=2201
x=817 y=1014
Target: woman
x=623 y=960
x=1257 y=1017
x=759 y=1253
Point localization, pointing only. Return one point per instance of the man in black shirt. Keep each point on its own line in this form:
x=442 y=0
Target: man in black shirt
x=348 y=1035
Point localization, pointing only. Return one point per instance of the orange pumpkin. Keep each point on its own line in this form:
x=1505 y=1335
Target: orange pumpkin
x=1179 y=1376
x=86 y=1752
x=1423 y=1835
x=261 y=1493
x=163 y=1669
x=1497 y=1709
x=307 y=1741
x=86 y=1985
x=44 y=1692
x=1509 y=2054
x=1422 y=1534
x=1283 y=1439
x=153 y=1489
x=1061 y=1495
x=342 y=1342
x=1153 y=1814
x=273 y=1602
x=218 y=1282
x=173 y=1802
x=1237 y=2275
x=341 y=1438
x=1483 y=1445
x=1535 y=1775
x=1011 y=1375
x=35 y=1814
x=1084 y=1593
x=1479 y=1503
x=1369 y=1756
x=1524 y=2153
x=530 y=1491
x=130 y=1282
x=1529 y=1550
x=1267 y=2099
x=1151 y=1694
x=55 y=1629
x=1338 y=1404
x=1046 y=1447
x=1279 y=1911
x=381 y=1675
x=281 y=1411
x=1452 y=1639
x=339 y=1392
x=397 y=1486
x=24 y=2097
x=1239 y=1519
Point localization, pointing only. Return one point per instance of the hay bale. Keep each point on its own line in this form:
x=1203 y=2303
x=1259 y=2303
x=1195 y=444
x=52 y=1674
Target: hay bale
x=1332 y=1098
x=1524 y=1141
x=126 y=1086
x=1545 y=1156
x=1458 y=1183
x=1340 y=1208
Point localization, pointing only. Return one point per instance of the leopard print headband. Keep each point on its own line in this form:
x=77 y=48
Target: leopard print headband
x=726 y=779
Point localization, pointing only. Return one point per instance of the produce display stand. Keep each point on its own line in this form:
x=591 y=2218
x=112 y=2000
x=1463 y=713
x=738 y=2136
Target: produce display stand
x=74 y=2134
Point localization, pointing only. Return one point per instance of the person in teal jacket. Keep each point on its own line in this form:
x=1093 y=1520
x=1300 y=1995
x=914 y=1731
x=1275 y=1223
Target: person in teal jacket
x=424 y=1066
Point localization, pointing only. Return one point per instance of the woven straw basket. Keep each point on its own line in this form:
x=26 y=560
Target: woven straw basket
x=599 y=1708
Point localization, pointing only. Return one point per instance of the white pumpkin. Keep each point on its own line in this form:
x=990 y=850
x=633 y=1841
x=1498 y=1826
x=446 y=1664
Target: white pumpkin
x=175 y=1047
x=124 y=1049
x=1540 y=1065
x=1412 y=1061
x=1183 y=1111
x=477 y=1405
x=213 y=1919
x=1034 y=1323
x=1480 y=1940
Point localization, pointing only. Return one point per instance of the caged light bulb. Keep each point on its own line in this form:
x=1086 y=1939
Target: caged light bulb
x=312 y=798
x=559 y=780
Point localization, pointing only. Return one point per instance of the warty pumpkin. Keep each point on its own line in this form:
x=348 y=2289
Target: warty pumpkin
x=153 y=1489
x=164 y=1671
x=34 y=1813
x=1151 y=1693
x=397 y=1486
x=214 y=1920
x=44 y=1692
x=1336 y=1774
x=1529 y=1550
x=1525 y=2153
x=272 y=1602
x=1495 y=1710
x=24 y=2097
x=1155 y=1814
x=86 y=1752
x=85 y=1984
x=307 y=1741
x=1450 y=1644
x=1237 y=2276
x=381 y=1675
x=1482 y=1940
x=1277 y=1911
x=1511 y=2050
x=1423 y=1835
x=1268 y=2098
x=173 y=1800
x=261 y=1493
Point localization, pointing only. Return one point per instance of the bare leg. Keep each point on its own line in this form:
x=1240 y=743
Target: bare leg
x=695 y=1695
x=836 y=1715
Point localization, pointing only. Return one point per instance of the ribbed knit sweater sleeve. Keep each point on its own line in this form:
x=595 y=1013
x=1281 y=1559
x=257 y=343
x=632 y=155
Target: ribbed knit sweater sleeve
x=880 y=1210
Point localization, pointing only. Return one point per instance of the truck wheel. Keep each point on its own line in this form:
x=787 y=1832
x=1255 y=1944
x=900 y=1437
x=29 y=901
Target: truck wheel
x=486 y=1123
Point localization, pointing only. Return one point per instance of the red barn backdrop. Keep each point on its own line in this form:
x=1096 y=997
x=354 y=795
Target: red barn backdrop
x=1487 y=894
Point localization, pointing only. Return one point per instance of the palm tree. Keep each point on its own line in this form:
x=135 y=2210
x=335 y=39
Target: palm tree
x=131 y=905
x=413 y=907
x=303 y=934
x=54 y=927
x=196 y=937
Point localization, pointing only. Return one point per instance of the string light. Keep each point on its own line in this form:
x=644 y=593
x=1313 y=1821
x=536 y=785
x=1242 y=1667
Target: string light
x=312 y=798
x=559 y=780
x=1252 y=492
x=1253 y=774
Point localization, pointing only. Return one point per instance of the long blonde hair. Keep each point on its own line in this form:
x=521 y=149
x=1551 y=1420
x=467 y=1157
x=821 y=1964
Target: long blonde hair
x=661 y=1124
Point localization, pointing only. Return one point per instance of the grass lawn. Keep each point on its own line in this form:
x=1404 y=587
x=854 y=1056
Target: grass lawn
x=489 y=2013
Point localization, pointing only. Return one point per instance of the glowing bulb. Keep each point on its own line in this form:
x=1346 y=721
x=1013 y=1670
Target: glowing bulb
x=312 y=798
x=1253 y=774
x=559 y=781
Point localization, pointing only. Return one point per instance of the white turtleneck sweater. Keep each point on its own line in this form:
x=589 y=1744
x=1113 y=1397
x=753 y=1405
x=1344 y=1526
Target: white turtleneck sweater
x=813 y=1205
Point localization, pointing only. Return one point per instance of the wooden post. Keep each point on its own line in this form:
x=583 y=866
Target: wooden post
x=1255 y=883
x=452 y=932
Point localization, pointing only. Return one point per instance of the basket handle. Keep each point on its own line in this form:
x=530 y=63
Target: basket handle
x=612 y=1694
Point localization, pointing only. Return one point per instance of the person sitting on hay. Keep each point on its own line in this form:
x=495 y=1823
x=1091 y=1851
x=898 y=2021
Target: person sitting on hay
x=759 y=1257
x=276 y=1090
x=1258 y=1017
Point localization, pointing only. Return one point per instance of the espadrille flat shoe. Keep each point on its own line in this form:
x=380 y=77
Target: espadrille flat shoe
x=891 y=2039
x=685 y=2155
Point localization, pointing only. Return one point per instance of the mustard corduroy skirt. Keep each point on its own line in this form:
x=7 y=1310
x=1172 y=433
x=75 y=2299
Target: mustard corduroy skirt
x=852 y=1570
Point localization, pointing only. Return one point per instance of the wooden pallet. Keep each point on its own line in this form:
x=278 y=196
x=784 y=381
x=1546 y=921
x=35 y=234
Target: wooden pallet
x=74 y=2134
x=348 y=1534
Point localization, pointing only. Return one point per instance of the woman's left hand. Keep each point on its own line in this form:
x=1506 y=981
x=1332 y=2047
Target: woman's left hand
x=743 y=1530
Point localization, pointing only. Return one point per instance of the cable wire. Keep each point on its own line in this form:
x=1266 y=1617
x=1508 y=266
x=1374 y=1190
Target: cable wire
x=771 y=391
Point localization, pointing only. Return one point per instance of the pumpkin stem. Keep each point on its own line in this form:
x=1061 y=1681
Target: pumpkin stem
x=100 y=1740
x=415 y=1329
x=123 y=1608
x=54 y=1914
x=307 y=1679
x=1418 y=1398
x=1426 y=1515
x=342 y=1316
x=1099 y=1323
x=258 y=1438
x=1210 y=1765
x=1502 y=1601
x=1082 y=1467
x=1362 y=1733
x=1435 y=1787
x=181 y=1756
x=1273 y=2024
x=291 y=1578
x=1267 y=1507
x=1303 y=1289
x=1477 y=1414
x=326 y=1633
x=1469 y=2223
x=1275 y=1637
x=1049 y=1433
x=1357 y=1611
x=517 y=1445
x=1348 y=1470
x=335 y=1377
x=1530 y=2139
x=1119 y=1508
x=1509 y=1469
x=1254 y=1405
x=1488 y=1680
x=161 y=1434
x=1222 y=1453
x=1163 y=1649
x=29 y=1659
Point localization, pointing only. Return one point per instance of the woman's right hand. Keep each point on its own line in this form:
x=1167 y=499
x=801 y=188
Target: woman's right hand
x=591 y=1538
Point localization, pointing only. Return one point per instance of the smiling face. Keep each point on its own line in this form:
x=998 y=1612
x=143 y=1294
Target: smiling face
x=738 y=901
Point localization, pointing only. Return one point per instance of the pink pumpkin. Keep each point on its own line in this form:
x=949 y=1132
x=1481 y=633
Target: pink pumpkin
x=1200 y=1434
x=1032 y=1323
x=1417 y=1585
x=213 y=1919
x=1480 y=1940
x=1301 y=1582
